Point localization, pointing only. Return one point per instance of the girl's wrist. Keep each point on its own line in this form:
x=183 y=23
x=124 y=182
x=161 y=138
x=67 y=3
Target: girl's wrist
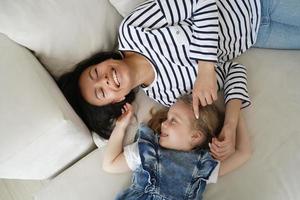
x=120 y=127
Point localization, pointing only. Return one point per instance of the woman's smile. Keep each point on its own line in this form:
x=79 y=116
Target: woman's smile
x=115 y=77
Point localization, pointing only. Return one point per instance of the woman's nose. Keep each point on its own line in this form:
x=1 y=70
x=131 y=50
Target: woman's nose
x=103 y=81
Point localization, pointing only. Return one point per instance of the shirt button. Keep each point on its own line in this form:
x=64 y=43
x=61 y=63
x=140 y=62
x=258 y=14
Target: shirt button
x=177 y=32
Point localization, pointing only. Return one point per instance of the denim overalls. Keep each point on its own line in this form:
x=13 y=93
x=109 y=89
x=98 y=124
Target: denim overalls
x=168 y=174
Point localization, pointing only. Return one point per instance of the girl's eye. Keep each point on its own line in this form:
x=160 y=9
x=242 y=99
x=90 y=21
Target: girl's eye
x=173 y=121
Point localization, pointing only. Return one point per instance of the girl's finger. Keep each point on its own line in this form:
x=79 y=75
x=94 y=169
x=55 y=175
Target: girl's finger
x=214 y=150
x=222 y=150
x=220 y=144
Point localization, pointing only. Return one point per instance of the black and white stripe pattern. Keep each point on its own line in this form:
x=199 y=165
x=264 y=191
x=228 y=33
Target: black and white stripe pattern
x=175 y=34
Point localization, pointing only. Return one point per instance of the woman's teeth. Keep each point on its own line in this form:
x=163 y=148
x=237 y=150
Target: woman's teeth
x=116 y=78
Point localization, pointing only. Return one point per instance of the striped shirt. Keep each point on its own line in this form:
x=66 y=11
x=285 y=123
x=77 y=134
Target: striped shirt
x=175 y=34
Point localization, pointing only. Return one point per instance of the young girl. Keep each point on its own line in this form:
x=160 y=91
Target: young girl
x=176 y=164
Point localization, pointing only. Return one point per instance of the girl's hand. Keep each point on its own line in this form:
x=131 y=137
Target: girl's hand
x=124 y=119
x=205 y=86
x=223 y=146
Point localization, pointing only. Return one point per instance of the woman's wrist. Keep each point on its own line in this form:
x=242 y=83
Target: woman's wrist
x=231 y=121
x=206 y=65
x=233 y=108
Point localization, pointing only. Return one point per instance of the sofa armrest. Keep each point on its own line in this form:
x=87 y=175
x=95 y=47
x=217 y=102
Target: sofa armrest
x=40 y=134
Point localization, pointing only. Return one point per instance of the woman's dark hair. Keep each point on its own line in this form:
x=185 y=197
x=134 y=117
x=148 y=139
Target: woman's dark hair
x=99 y=119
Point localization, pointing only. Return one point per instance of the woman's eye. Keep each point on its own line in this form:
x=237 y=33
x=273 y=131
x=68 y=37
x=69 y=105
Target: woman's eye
x=100 y=93
x=96 y=73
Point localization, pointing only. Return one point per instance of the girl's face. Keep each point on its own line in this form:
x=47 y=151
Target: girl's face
x=177 y=132
x=105 y=83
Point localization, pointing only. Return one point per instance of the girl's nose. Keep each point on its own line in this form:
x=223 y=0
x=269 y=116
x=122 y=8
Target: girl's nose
x=164 y=123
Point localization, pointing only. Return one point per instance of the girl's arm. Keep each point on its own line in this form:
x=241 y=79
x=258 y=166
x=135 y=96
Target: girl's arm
x=243 y=150
x=114 y=160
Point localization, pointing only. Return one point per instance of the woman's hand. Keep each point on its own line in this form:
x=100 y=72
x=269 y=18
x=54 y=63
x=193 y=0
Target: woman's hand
x=124 y=119
x=224 y=146
x=205 y=86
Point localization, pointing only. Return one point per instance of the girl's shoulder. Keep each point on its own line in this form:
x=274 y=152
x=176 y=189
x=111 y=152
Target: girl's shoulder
x=144 y=132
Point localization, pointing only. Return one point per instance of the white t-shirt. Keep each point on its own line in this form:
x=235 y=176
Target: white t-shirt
x=133 y=159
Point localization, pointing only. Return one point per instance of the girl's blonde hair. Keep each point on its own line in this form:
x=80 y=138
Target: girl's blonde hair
x=210 y=119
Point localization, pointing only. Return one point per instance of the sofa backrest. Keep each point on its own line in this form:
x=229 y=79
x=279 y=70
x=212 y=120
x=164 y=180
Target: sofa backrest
x=61 y=33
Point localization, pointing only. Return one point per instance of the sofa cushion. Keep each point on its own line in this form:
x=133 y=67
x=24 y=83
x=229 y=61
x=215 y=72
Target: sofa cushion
x=86 y=180
x=272 y=172
x=60 y=32
x=124 y=7
x=40 y=134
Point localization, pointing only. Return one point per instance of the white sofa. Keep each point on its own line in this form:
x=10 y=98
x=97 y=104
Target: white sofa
x=41 y=137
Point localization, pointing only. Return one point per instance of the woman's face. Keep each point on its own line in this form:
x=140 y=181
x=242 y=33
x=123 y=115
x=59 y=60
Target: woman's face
x=177 y=132
x=105 y=83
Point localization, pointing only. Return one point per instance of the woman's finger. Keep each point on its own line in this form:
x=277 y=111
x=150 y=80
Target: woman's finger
x=196 y=106
x=208 y=99
x=214 y=95
x=202 y=100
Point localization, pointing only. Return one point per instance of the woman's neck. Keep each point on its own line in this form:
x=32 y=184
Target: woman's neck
x=140 y=68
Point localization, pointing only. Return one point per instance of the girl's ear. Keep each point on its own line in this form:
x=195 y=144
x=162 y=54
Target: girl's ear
x=197 y=137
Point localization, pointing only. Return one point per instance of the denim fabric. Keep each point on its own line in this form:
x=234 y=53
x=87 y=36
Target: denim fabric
x=280 y=24
x=168 y=174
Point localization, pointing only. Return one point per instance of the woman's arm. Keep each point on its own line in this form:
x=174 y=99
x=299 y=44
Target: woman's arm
x=205 y=86
x=243 y=150
x=223 y=146
x=114 y=160
x=232 y=78
x=204 y=20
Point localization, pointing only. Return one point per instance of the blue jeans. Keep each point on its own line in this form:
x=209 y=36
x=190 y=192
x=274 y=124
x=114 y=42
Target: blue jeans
x=280 y=24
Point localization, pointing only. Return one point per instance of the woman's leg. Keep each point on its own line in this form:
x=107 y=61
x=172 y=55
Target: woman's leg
x=280 y=25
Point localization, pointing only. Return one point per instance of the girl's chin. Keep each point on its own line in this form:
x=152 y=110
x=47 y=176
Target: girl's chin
x=163 y=143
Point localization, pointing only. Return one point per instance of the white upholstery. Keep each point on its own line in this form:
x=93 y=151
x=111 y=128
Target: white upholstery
x=272 y=172
x=86 y=180
x=60 y=32
x=40 y=134
x=124 y=7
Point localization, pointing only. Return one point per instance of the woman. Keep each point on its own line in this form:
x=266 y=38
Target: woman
x=171 y=48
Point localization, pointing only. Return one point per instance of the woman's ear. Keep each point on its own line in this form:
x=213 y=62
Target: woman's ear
x=119 y=100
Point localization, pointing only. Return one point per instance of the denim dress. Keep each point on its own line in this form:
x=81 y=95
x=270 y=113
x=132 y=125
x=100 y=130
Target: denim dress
x=166 y=174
